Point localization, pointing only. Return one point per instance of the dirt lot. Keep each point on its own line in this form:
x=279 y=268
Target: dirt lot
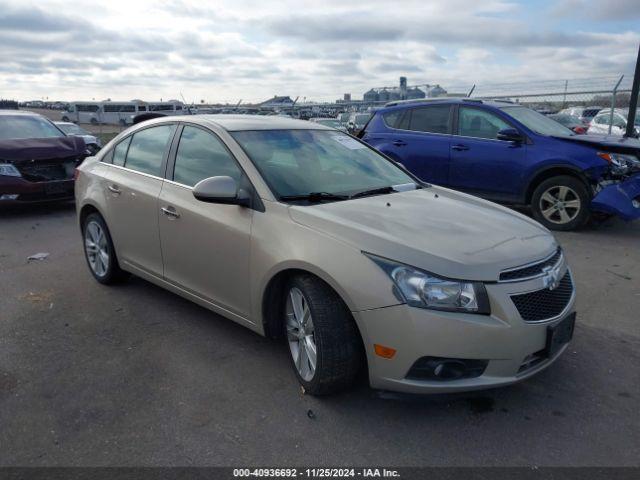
x=134 y=375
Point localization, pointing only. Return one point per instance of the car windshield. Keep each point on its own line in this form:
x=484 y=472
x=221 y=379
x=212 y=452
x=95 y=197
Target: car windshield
x=362 y=119
x=14 y=127
x=302 y=162
x=329 y=123
x=72 y=129
x=537 y=122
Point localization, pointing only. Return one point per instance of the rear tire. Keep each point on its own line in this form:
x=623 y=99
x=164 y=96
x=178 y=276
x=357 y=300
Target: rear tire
x=561 y=203
x=323 y=339
x=99 y=251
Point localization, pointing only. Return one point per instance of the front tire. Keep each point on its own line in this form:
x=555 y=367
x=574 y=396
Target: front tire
x=99 y=251
x=324 y=342
x=561 y=203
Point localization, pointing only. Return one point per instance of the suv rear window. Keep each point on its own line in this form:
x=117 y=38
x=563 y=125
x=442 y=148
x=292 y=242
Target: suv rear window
x=433 y=119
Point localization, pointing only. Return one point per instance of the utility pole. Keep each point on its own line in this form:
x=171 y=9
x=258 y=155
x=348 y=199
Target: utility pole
x=633 y=103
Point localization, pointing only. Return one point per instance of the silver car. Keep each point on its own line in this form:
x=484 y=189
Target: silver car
x=303 y=233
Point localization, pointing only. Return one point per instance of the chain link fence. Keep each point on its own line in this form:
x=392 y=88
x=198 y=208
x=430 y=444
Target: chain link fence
x=607 y=95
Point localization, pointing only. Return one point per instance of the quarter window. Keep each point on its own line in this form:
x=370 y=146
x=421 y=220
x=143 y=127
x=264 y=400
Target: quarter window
x=473 y=122
x=202 y=155
x=148 y=148
x=434 y=119
x=120 y=152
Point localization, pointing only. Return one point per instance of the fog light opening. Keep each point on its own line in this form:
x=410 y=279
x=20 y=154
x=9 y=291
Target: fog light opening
x=450 y=370
x=446 y=369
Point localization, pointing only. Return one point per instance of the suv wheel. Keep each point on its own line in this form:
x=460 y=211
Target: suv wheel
x=323 y=339
x=561 y=203
x=99 y=251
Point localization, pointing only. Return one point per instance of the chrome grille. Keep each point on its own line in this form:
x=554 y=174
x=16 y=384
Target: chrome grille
x=544 y=304
x=530 y=271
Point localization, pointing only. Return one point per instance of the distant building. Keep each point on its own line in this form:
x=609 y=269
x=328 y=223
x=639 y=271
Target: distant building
x=371 y=96
x=402 y=92
x=435 y=91
x=413 y=93
x=278 y=102
x=347 y=97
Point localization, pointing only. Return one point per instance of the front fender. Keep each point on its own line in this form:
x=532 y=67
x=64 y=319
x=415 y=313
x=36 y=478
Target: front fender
x=621 y=199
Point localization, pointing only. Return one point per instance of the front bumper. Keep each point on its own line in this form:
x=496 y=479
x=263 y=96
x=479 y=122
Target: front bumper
x=503 y=339
x=621 y=199
x=26 y=191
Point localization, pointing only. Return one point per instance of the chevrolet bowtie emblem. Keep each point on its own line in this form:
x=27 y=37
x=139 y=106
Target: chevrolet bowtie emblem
x=551 y=277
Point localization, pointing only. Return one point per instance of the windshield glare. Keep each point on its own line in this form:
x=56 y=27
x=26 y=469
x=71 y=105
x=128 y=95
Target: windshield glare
x=537 y=122
x=19 y=127
x=300 y=162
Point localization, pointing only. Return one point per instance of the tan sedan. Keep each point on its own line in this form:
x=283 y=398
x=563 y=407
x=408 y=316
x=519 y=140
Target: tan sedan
x=301 y=232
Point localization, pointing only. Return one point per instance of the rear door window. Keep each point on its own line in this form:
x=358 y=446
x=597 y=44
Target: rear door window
x=148 y=148
x=432 y=119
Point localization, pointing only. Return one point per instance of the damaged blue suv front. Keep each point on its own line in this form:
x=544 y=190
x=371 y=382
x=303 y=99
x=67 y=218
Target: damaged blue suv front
x=511 y=154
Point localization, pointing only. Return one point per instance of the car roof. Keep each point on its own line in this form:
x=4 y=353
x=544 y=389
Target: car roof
x=24 y=113
x=236 y=123
x=449 y=100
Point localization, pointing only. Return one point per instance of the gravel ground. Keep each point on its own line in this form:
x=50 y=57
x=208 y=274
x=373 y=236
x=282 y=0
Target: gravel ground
x=133 y=375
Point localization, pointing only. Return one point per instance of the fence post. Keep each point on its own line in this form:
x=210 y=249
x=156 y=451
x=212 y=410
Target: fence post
x=564 y=98
x=613 y=102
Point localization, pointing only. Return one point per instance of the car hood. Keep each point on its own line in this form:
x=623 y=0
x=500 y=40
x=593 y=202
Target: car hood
x=41 y=149
x=444 y=232
x=604 y=141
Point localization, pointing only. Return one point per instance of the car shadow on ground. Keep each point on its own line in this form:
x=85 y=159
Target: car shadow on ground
x=35 y=210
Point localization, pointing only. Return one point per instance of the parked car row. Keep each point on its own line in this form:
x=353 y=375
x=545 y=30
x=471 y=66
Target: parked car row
x=353 y=251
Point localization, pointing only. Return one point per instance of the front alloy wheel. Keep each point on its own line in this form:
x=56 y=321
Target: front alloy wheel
x=561 y=203
x=323 y=339
x=300 y=335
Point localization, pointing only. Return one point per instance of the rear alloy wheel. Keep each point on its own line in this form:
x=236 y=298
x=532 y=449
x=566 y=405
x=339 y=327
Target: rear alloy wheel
x=99 y=251
x=323 y=340
x=561 y=203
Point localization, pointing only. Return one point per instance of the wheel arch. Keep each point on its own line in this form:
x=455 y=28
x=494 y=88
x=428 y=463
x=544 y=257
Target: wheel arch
x=274 y=289
x=86 y=210
x=550 y=171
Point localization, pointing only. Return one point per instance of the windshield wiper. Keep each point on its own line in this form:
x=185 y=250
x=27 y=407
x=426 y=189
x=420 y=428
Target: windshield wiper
x=315 y=197
x=373 y=191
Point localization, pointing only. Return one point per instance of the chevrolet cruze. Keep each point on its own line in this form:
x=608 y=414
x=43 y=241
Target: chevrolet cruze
x=301 y=232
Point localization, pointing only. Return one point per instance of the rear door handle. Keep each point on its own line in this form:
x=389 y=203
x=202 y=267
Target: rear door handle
x=399 y=143
x=114 y=189
x=170 y=212
x=459 y=147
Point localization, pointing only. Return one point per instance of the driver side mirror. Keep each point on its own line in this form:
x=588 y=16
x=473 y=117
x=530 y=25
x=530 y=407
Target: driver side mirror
x=510 y=135
x=222 y=190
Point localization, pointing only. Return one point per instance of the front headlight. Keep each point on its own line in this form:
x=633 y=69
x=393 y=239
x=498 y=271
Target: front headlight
x=8 y=170
x=621 y=163
x=425 y=290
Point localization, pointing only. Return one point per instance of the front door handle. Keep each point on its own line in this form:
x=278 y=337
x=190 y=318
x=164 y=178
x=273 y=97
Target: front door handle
x=114 y=189
x=399 y=143
x=459 y=148
x=170 y=212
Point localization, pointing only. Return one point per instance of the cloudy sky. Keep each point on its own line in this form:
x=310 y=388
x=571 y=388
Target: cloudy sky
x=227 y=50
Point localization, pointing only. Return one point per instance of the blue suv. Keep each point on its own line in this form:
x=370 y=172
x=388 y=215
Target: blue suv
x=511 y=154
